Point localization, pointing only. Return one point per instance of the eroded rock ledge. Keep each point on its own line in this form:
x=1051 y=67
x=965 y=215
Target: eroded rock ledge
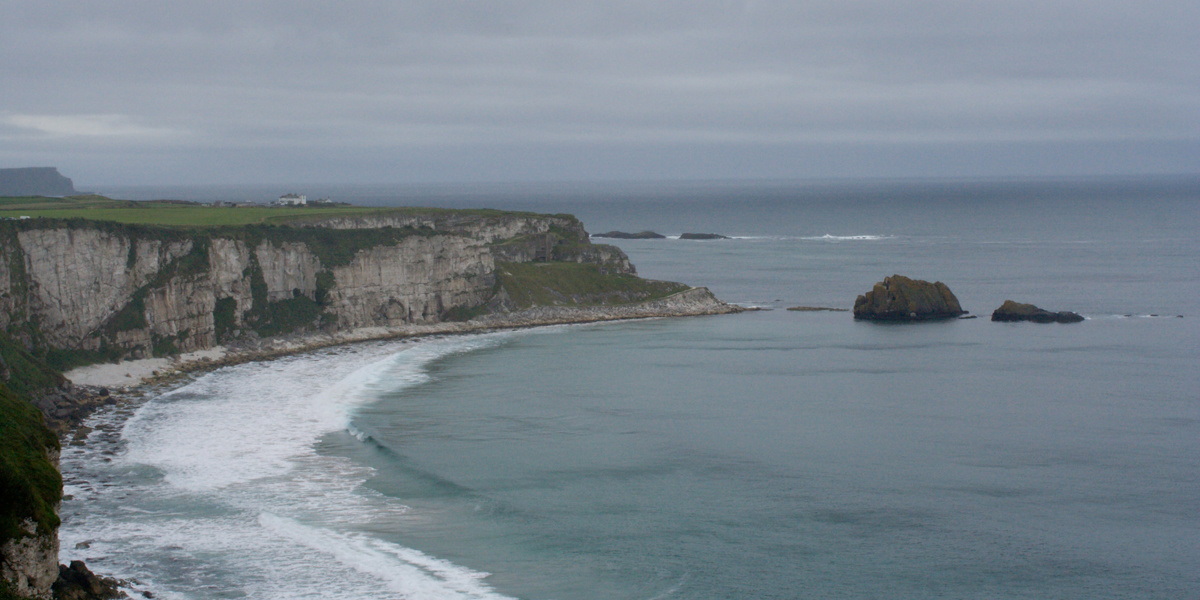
x=1018 y=311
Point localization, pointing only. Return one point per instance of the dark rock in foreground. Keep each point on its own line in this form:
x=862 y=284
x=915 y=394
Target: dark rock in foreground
x=898 y=298
x=77 y=582
x=623 y=235
x=703 y=236
x=1017 y=311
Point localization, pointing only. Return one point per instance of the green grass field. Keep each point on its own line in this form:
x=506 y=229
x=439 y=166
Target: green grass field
x=180 y=214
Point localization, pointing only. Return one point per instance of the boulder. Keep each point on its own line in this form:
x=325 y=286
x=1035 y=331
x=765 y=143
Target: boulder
x=1017 y=311
x=77 y=582
x=898 y=298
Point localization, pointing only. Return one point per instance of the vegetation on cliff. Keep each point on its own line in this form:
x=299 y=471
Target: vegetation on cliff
x=30 y=485
x=576 y=284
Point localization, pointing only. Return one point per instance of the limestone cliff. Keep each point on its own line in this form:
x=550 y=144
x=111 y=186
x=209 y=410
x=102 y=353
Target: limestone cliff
x=82 y=291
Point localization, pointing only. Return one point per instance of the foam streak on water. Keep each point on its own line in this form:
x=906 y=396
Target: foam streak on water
x=216 y=489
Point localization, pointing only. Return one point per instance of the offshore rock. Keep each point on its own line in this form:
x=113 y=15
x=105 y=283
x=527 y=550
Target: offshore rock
x=898 y=298
x=1017 y=311
x=624 y=235
x=703 y=236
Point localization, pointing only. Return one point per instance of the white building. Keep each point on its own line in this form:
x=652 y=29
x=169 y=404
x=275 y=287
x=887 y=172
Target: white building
x=292 y=200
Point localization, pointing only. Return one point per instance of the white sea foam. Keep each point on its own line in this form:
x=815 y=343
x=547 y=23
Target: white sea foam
x=411 y=573
x=847 y=238
x=813 y=238
x=218 y=484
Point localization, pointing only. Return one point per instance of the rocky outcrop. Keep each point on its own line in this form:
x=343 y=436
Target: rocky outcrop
x=898 y=298
x=623 y=235
x=702 y=236
x=1017 y=311
x=77 y=582
x=695 y=301
x=30 y=563
x=34 y=181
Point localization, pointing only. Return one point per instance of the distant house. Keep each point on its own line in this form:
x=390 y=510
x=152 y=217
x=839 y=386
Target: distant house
x=292 y=200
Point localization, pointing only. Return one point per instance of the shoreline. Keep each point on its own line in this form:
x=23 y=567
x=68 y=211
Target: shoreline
x=131 y=374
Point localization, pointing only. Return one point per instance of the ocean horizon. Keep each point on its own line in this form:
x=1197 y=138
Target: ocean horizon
x=769 y=454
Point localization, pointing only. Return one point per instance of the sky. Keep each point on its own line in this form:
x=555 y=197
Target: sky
x=150 y=92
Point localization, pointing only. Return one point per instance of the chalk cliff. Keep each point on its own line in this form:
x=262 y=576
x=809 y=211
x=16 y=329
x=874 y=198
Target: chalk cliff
x=83 y=291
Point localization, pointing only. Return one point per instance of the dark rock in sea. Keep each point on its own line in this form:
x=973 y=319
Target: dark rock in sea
x=898 y=298
x=623 y=235
x=1017 y=311
x=703 y=236
x=34 y=181
x=77 y=582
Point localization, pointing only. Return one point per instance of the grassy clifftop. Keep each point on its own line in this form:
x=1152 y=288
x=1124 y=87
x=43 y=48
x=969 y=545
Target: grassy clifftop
x=171 y=213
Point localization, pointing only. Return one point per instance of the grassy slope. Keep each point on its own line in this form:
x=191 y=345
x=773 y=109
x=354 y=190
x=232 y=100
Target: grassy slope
x=576 y=284
x=30 y=485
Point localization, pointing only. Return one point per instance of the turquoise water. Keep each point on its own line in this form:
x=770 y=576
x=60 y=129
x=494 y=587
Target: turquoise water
x=771 y=454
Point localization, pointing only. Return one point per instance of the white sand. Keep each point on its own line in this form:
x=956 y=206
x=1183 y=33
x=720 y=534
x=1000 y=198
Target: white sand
x=134 y=372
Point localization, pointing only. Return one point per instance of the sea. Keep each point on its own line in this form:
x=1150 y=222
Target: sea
x=765 y=455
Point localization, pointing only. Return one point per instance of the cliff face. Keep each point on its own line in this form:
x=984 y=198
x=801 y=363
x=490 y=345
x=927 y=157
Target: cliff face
x=34 y=181
x=83 y=291
x=30 y=564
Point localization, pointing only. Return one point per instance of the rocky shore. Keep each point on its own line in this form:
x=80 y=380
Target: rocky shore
x=695 y=301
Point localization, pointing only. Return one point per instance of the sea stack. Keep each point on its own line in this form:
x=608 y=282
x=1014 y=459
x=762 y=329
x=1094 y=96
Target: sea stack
x=1017 y=311
x=898 y=298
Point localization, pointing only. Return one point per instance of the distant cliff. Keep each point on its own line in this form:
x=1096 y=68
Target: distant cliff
x=34 y=181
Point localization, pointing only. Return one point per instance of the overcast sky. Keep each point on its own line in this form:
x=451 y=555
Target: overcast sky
x=246 y=91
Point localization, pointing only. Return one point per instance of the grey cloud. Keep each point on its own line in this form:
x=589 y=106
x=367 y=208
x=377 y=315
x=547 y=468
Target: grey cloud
x=593 y=80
